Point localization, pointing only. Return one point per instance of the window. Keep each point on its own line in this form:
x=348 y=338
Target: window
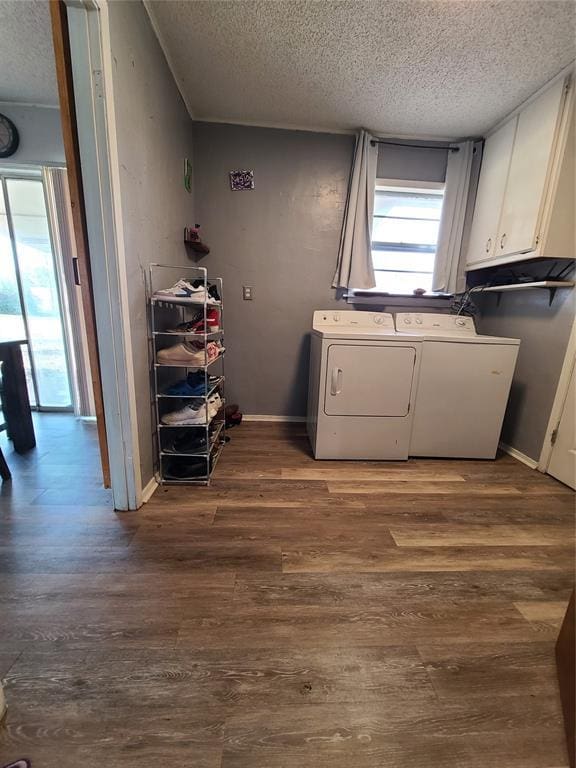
x=405 y=235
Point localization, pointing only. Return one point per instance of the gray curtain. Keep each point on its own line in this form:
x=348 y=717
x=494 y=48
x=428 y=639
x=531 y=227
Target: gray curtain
x=354 y=268
x=449 y=275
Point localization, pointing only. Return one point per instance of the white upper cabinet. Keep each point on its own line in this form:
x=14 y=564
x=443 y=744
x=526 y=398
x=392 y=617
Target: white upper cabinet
x=490 y=195
x=531 y=160
x=519 y=194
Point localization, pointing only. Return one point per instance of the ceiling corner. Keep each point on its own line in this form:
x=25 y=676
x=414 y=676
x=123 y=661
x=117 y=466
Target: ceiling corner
x=171 y=66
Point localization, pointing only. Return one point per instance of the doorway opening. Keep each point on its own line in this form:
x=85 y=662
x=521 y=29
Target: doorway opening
x=51 y=454
x=33 y=291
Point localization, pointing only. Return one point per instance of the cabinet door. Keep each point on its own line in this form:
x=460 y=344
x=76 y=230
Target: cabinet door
x=529 y=169
x=369 y=380
x=490 y=195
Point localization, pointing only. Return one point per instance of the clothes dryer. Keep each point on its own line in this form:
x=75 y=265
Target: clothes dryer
x=362 y=386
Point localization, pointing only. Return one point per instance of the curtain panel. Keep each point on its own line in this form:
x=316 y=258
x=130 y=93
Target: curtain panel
x=354 y=268
x=449 y=275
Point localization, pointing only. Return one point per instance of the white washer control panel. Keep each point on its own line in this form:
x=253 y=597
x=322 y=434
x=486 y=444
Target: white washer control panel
x=428 y=322
x=334 y=318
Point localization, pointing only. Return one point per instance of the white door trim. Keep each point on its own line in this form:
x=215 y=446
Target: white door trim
x=94 y=98
x=559 y=400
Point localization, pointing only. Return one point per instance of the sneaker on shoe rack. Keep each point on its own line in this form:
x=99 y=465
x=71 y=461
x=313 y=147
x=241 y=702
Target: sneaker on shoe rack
x=212 y=289
x=191 y=413
x=184 y=440
x=194 y=441
x=186 y=469
x=182 y=327
x=181 y=291
x=189 y=353
x=212 y=322
x=182 y=353
x=214 y=404
x=194 y=385
x=196 y=325
x=185 y=387
x=203 y=296
x=215 y=348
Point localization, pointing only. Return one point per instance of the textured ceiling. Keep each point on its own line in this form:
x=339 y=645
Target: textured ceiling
x=27 y=72
x=405 y=67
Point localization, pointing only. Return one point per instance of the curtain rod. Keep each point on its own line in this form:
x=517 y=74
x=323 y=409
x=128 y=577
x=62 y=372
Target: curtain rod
x=373 y=143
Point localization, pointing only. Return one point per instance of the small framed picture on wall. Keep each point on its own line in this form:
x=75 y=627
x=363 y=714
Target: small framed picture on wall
x=241 y=180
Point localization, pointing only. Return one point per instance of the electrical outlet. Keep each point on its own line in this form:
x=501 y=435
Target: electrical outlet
x=247 y=292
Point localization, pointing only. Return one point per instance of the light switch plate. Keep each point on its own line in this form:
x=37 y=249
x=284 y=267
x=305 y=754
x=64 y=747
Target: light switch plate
x=247 y=292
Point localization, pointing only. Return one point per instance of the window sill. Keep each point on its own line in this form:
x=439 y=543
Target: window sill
x=431 y=301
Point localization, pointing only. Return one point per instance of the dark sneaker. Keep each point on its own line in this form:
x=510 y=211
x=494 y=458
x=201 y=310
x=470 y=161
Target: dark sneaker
x=189 y=443
x=185 y=469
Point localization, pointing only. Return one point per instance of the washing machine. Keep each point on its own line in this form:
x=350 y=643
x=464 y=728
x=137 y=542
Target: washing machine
x=463 y=386
x=362 y=386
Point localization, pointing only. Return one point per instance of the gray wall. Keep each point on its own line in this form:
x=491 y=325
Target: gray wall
x=281 y=238
x=154 y=137
x=411 y=163
x=544 y=332
x=40 y=135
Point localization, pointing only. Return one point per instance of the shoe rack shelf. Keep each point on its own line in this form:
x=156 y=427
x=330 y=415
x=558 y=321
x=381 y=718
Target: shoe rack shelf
x=175 y=463
x=198 y=337
x=217 y=335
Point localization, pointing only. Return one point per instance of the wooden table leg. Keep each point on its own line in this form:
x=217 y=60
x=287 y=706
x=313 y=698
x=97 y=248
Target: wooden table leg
x=15 y=402
x=5 y=473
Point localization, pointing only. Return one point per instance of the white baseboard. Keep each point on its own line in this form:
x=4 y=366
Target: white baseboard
x=264 y=417
x=515 y=453
x=148 y=490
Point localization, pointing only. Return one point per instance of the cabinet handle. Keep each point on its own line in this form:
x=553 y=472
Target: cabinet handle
x=336 y=385
x=488 y=244
x=503 y=240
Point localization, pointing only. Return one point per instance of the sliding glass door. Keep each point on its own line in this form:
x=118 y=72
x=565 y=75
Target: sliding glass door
x=30 y=305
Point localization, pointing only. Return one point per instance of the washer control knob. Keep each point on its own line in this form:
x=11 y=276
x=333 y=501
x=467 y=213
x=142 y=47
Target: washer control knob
x=461 y=323
x=419 y=320
x=379 y=319
x=407 y=321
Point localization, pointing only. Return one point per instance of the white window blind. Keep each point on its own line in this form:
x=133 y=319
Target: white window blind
x=404 y=237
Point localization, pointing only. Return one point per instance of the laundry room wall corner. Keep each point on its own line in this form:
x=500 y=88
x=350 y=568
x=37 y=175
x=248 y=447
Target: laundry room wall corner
x=154 y=136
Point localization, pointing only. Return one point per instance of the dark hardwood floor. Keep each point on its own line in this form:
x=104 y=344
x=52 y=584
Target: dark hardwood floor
x=297 y=614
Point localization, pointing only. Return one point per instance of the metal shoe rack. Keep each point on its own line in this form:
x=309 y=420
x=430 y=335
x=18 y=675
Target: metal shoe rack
x=165 y=315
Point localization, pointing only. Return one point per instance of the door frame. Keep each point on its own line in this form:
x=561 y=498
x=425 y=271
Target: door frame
x=84 y=65
x=559 y=401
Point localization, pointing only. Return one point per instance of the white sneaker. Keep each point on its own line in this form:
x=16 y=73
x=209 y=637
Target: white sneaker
x=214 y=405
x=182 y=291
x=202 y=296
x=189 y=354
x=190 y=414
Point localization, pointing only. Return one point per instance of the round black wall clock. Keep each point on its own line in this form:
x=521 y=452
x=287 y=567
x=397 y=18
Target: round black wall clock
x=9 y=138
